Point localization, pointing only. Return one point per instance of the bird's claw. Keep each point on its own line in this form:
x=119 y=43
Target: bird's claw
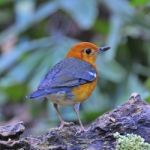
x=81 y=130
x=63 y=124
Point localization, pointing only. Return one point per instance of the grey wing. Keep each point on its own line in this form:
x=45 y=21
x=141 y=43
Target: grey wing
x=69 y=72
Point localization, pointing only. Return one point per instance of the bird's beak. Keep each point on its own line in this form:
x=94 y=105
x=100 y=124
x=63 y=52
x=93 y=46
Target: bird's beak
x=103 y=49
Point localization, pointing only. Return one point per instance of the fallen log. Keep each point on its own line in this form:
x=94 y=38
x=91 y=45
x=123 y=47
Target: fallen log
x=131 y=117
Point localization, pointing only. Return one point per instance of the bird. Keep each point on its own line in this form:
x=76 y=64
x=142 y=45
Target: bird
x=72 y=80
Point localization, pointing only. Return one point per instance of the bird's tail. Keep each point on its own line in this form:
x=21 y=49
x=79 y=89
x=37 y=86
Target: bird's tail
x=36 y=94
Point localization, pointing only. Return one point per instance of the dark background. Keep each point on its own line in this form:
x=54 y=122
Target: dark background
x=36 y=34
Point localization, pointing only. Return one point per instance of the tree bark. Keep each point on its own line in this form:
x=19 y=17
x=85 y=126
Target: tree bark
x=131 y=117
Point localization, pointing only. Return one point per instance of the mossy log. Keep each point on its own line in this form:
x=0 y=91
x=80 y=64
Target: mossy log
x=131 y=117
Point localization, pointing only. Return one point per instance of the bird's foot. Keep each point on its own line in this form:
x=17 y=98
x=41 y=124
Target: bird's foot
x=81 y=130
x=63 y=124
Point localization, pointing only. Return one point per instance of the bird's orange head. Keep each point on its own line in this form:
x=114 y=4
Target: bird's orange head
x=86 y=51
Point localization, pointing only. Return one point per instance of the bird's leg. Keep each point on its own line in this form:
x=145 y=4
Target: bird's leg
x=76 y=108
x=62 y=122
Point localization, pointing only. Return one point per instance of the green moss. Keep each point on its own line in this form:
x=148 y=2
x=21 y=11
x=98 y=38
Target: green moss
x=130 y=142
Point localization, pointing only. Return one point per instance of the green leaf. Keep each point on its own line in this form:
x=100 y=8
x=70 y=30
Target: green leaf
x=26 y=66
x=44 y=11
x=148 y=99
x=139 y=2
x=135 y=85
x=3 y=2
x=114 y=36
x=148 y=83
x=128 y=86
x=111 y=70
x=82 y=11
x=14 y=92
x=101 y=26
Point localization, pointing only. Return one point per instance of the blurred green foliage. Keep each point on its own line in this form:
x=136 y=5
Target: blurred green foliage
x=36 y=34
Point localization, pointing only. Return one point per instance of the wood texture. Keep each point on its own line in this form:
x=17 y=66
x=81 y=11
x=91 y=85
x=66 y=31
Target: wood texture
x=131 y=117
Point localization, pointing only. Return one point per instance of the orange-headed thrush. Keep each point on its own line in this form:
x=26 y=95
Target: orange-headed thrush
x=72 y=80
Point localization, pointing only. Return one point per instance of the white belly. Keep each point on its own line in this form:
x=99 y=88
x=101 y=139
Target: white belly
x=60 y=99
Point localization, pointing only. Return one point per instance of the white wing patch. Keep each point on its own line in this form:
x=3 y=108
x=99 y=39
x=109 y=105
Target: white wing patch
x=92 y=74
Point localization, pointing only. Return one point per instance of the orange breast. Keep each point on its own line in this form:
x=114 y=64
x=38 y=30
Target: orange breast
x=82 y=92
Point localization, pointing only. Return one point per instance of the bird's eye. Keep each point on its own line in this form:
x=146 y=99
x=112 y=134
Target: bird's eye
x=88 y=51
